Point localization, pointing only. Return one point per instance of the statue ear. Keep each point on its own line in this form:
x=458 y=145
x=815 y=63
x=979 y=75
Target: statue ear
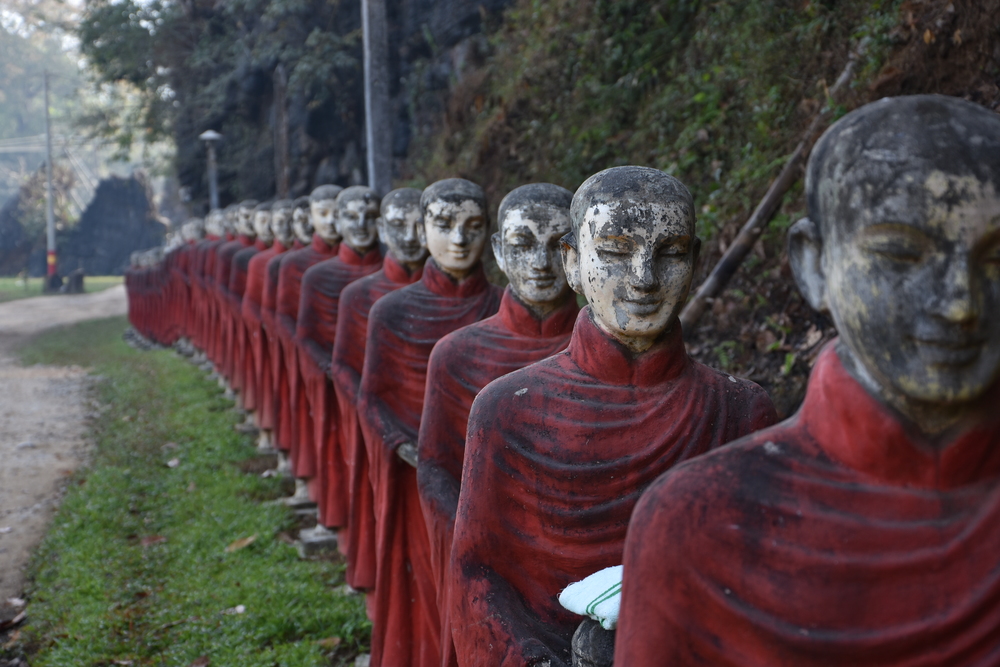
x=805 y=254
x=496 y=241
x=571 y=262
x=695 y=253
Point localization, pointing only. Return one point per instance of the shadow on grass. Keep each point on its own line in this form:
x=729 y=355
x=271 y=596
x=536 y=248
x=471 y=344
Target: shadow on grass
x=135 y=566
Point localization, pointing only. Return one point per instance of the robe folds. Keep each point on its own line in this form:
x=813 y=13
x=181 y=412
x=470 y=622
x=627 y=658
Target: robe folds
x=346 y=367
x=838 y=537
x=223 y=266
x=286 y=313
x=402 y=330
x=253 y=300
x=272 y=348
x=237 y=287
x=319 y=305
x=557 y=455
x=462 y=363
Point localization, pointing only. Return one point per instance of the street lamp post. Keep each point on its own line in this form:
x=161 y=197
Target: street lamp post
x=210 y=137
x=50 y=219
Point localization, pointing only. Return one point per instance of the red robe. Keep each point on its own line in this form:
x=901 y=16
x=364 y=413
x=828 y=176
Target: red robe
x=511 y=339
x=347 y=364
x=402 y=330
x=289 y=387
x=319 y=305
x=272 y=348
x=557 y=455
x=254 y=360
x=224 y=336
x=237 y=287
x=837 y=537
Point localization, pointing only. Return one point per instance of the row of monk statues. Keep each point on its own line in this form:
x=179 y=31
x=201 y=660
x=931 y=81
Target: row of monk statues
x=514 y=480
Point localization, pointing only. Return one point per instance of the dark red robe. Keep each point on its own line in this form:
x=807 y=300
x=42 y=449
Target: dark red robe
x=557 y=455
x=270 y=400
x=461 y=365
x=837 y=537
x=402 y=330
x=253 y=299
x=319 y=305
x=347 y=364
x=223 y=266
x=290 y=389
x=237 y=287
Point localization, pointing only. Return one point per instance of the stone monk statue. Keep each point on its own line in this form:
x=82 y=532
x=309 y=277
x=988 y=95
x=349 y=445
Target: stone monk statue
x=863 y=530
x=535 y=321
x=558 y=453
x=401 y=228
x=323 y=243
x=358 y=256
x=403 y=328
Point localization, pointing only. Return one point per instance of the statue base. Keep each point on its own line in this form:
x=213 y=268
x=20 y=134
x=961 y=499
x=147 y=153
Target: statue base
x=316 y=541
x=593 y=646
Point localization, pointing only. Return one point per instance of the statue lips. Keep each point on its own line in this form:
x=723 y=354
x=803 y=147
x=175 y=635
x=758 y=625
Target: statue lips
x=644 y=306
x=955 y=351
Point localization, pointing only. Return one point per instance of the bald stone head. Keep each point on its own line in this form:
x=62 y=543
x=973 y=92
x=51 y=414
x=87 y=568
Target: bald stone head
x=902 y=249
x=455 y=225
x=532 y=221
x=262 y=222
x=323 y=212
x=245 y=216
x=281 y=221
x=214 y=224
x=401 y=227
x=632 y=251
x=357 y=213
x=302 y=225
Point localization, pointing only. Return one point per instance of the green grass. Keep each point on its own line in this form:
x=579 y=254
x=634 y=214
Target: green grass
x=99 y=596
x=18 y=288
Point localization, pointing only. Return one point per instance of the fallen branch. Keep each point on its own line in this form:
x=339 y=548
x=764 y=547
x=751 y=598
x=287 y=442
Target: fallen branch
x=751 y=231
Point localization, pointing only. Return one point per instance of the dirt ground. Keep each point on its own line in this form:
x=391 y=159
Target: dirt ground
x=42 y=423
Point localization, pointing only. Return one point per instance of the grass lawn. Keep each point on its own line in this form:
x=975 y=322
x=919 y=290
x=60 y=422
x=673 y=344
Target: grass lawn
x=17 y=288
x=135 y=568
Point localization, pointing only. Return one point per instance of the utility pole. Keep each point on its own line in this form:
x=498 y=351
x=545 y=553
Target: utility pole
x=50 y=218
x=210 y=137
x=378 y=117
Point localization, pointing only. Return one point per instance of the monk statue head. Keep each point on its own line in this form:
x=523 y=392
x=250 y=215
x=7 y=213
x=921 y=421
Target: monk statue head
x=401 y=227
x=262 y=222
x=244 y=218
x=532 y=221
x=357 y=213
x=323 y=211
x=901 y=248
x=193 y=229
x=281 y=221
x=229 y=218
x=455 y=225
x=632 y=251
x=214 y=223
x=302 y=225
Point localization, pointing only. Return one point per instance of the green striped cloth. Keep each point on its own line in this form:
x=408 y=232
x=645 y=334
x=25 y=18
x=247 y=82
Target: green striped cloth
x=599 y=596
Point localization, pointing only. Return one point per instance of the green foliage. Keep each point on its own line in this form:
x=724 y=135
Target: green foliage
x=100 y=596
x=714 y=93
x=172 y=70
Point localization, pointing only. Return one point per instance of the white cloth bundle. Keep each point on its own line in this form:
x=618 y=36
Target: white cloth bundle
x=599 y=596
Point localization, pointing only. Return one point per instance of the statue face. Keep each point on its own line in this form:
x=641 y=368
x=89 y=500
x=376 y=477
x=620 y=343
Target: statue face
x=244 y=221
x=402 y=230
x=356 y=223
x=262 y=226
x=456 y=234
x=911 y=275
x=527 y=250
x=634 y=262
x=302 y=225
x=324 y=219
x=281 y=226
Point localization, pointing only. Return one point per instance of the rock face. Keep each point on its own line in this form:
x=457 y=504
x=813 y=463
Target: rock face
x=118 y=221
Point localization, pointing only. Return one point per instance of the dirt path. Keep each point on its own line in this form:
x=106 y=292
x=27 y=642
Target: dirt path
x=42 y=414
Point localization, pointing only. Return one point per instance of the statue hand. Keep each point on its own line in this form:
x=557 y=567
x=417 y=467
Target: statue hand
x=408 y=452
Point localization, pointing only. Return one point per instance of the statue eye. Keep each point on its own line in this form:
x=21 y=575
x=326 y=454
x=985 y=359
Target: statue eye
x=897 y=243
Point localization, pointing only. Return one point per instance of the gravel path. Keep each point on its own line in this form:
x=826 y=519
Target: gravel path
x=42 y=414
